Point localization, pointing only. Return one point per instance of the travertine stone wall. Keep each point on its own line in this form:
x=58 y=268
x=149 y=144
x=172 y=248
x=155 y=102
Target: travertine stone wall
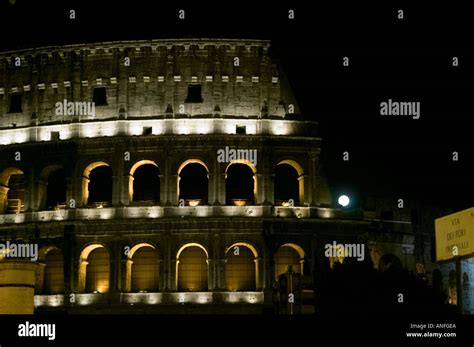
x=146 y=79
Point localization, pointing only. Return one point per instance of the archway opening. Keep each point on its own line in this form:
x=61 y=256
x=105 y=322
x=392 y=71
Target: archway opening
x=193 y=184
x=192 y=269
x=286 y=186
x=53 y=272
x=146 y=184
x=240 y=269
x=98 y=271
x=240 y=185
x=100 y=187
x=145 y=270
x=56 y=188
x=15 y=192
x=289 y=255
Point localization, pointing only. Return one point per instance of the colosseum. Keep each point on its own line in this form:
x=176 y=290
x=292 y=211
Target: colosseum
x=163 y=175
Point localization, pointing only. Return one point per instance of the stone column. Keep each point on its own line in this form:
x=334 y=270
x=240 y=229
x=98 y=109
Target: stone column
x=126 y=193
x=34 y=100
x=213 y=262
x=265 y=169
x=302 y=267
x=213 y=176
x=269 y=271
x=30 y=191
x=173 y=190
x=159 y=263
x=170 y=184
x=166 y=264
x=81 y=286
x=33 y=133
x=115 y=268
x=81 y=190
x=259 y=273
x=68 y=262
x=212 y=191
x=173 y=280
x=76 y=83
x=304 y=189
x=269 y=266
x=3 y=198
x=17 y=286
x=122 y=83
x=210 y=274
x=120 y=192
x=69 y=192
x=220 y=187
x=39 y=277
x=269 y=261
x=127 y=268
x=312 y=178
x=116 y=188
x=221 y=274
x=40 y=201
x=163 y=186
x=260 y=194
x=270 y=189
x=169 y=80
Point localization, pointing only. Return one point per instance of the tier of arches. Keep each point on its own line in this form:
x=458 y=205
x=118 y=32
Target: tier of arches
x=141 y=270
x=144 y=184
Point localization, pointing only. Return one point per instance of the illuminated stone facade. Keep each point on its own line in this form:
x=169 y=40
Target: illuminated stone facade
x=130 y=205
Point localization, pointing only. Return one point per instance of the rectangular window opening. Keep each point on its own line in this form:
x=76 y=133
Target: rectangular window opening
x=54 y=135
x=100 y=96
x=194 y=93
x=15 y=103
x=241 y=129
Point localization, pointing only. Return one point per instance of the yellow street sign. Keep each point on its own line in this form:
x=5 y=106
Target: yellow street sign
x=455 y=235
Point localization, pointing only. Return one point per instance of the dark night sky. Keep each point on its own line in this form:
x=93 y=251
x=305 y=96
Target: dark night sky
x=407 y=60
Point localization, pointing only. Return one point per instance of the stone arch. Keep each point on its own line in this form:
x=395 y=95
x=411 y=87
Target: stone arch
x=190 y=244
x=242 y=161
x=245 y=244
x=294 y=164
x=192 y=161
x=5 y=174
x=43 y=251
x=140 y=163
